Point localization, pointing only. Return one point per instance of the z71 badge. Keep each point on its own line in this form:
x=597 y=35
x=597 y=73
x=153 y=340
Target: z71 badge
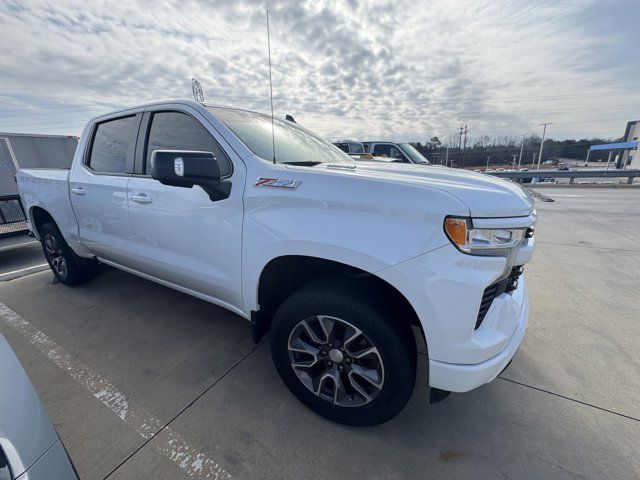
x=277 y=183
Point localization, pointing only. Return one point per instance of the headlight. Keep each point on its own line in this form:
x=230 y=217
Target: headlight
x=482 y=241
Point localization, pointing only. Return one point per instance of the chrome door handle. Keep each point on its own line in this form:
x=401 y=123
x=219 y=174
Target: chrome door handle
x=79 y=191
x=141 y=198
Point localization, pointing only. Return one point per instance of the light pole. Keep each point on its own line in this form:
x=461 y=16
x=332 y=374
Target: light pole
x=544 y=130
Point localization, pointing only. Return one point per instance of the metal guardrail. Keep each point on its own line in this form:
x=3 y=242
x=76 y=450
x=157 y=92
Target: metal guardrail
x=12 y=217
x=570 y=174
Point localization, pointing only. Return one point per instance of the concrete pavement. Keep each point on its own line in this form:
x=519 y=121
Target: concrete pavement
x=566 y=408
x=20 y=255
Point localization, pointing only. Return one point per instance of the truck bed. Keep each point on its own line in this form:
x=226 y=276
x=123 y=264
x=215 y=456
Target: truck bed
x=47 y=188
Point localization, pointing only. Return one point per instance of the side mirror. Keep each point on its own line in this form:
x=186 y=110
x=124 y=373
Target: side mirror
x=183 y=168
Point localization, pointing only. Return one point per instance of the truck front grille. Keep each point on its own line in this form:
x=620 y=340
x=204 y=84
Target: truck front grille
x=506 y=285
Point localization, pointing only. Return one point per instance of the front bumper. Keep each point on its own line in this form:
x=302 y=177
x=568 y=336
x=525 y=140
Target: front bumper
x=445 y=287
x=462 y=378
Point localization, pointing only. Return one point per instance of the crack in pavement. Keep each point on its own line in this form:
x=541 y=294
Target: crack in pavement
x=569 y=398
x=559 y=395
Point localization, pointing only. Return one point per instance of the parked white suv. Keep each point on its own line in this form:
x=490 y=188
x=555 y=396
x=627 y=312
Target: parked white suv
x=338 y=260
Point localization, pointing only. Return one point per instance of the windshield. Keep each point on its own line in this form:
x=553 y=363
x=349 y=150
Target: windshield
x=294 y=144
x=414 y=154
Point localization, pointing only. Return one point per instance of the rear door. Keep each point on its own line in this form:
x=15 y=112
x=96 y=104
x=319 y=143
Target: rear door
x=184 y=237
x=98 y=189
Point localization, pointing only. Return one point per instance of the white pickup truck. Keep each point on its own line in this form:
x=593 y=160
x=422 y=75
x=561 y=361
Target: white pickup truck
x=351 y=267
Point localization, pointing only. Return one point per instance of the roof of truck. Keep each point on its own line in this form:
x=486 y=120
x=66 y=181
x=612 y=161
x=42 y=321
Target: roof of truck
x=190 y=103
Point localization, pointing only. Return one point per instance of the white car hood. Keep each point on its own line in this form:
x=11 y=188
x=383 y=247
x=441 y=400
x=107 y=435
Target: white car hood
x=484 y=195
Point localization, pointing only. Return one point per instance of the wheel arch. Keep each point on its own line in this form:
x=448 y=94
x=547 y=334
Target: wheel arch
x=284 y=275
x=38 y=216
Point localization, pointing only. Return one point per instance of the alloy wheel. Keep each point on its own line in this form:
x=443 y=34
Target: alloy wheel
x=55 y=256
x=336 y=361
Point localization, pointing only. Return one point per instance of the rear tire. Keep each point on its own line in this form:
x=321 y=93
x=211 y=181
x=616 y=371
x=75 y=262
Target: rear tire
x=65 y=265
x=344 y=354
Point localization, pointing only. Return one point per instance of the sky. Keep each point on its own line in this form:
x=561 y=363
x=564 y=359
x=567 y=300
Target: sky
x=403 y=70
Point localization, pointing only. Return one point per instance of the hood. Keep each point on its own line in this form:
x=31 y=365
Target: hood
x=484 y=195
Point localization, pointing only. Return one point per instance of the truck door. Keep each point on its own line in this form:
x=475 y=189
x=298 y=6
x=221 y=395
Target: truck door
x=98 y=189
x=184 y=238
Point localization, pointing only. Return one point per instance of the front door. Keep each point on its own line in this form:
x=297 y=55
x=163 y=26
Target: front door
x=184 y=237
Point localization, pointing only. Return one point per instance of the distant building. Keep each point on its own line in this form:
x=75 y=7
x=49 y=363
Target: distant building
x=632 y=134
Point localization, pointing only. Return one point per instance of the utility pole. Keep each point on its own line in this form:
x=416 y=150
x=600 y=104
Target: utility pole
x=514 y=160
x=544 y=131
x=446 y=158
x=465 y=144
x=460 y=148
x=521 y=148
x=534 y=160
x=488 y=158
x=465 y=138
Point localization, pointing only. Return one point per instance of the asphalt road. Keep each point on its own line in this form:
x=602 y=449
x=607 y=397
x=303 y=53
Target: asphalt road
x=145 y=382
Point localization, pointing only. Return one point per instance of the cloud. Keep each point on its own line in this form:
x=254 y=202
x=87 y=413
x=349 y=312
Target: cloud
x=405 y=70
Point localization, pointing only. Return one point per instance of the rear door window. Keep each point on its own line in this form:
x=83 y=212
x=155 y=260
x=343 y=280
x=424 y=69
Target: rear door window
x=110 y=145
x=179 y=131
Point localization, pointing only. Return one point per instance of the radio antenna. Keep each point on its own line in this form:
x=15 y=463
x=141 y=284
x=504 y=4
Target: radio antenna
x=273 y=131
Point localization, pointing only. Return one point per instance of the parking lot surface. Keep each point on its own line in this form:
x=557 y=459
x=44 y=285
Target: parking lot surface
x=145 y=382
x=20 y=255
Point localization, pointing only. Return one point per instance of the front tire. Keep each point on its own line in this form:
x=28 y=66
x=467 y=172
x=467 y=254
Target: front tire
x=65 y=265
x=343 y=354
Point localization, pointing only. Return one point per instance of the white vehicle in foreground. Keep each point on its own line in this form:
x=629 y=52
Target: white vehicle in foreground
x=338 y=260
